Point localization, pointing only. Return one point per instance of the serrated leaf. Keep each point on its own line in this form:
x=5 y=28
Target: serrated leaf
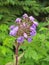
x=30 y=53
x=9 y=41
x=47 y=58
x=3 y=27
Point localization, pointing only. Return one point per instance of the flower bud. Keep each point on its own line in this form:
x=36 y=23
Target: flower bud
x=25 y=16
x=25 y=35
x=20 y=39
x=12 y=27
x=29 y=39
x=18 y=20
x=35 y=23
x=31 y=18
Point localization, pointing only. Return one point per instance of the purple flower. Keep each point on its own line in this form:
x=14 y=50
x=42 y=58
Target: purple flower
x=29 y=39
x=16 y=28
x=13 y=33
x=31 y=18
x=25 y=29
x=12 y=27
x=18 y=20
x=33 y=33
x=33 y=26
x=35 y=23
x=20 y=39
x=25 y=16
x=25 y=35
x=32 y=29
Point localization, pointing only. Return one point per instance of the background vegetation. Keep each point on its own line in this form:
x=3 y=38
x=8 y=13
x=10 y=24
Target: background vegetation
x=37 y=52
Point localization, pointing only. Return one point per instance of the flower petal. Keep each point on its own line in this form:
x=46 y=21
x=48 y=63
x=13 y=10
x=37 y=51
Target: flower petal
x=12 y=27
x=36 y=23
x=18 y=20
x=33 y=33
x=25 y=35
x=25 y=16
x=29 y=39
x=31 y=18
x=20 y=39
x=12 y=33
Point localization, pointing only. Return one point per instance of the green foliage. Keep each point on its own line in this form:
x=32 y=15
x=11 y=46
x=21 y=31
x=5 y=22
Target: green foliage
x=37 y=52
x=10 y=9
x=6 y=45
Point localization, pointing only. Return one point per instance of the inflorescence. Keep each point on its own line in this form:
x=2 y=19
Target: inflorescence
x=25 y=28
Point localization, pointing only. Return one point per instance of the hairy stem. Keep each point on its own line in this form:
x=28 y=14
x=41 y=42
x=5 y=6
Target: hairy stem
x=17 y=53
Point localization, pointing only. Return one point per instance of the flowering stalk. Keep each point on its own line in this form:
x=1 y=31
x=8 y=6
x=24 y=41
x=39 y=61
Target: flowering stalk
x=17 y=53
x=25 y=28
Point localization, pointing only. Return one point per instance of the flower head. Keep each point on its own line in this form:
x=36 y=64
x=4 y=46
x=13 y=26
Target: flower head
x=24 y=29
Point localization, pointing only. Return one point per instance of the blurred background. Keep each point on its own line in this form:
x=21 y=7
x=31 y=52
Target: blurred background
x=36 y=52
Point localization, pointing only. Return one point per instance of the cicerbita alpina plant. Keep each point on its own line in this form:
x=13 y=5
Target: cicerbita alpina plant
x=25 y=28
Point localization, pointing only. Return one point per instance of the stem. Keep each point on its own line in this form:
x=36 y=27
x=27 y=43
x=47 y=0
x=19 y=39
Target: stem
x=17 y=53
x=20 y=56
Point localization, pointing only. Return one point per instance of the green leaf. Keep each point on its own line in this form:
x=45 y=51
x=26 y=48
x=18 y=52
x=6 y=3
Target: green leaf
x=47 y=58
x=1 y=16
x=30 y=53
x=9 y=41
x=3 y=27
